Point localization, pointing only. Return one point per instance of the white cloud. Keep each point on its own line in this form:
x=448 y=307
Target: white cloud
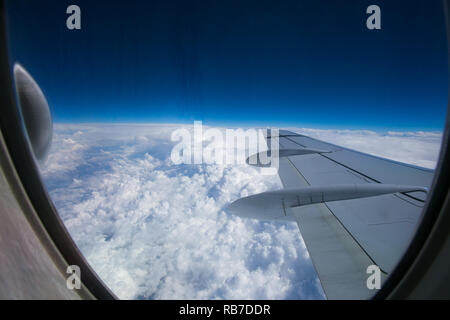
x=154 y=230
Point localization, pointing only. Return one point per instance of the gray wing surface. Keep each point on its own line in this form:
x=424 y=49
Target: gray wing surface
x=344 y=237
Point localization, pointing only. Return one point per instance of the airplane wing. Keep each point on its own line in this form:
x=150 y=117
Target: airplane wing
x=353 y=209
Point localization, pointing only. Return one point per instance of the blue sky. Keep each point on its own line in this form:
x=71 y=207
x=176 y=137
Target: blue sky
x=275 y=63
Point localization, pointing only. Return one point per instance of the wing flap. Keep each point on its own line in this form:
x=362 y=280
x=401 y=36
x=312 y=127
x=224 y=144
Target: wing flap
x=339 y=261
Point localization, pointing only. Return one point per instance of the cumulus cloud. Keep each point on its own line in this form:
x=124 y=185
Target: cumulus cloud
x=155 y=230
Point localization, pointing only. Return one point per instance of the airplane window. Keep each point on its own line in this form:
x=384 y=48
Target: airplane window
x=234 y=149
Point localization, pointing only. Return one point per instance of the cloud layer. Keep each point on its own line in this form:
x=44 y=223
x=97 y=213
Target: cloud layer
x=154 y=230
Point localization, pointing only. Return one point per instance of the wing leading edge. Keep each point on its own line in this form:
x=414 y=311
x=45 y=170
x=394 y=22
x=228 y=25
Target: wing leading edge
x=353 y=210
